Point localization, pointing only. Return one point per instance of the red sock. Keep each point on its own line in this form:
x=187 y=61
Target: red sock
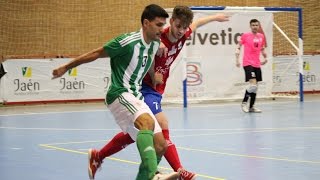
x=118 y=142
x=171 y=154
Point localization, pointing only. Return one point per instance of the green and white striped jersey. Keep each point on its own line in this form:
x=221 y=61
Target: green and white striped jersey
x=131 y=57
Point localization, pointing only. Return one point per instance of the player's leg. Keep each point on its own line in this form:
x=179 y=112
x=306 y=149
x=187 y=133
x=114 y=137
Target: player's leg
x=247 y=94
x=117 y=143
x=145 y=145
x=153 y=100
x=160 y=145
x=258 y=77
x=132 y=116
x=160 y=148
x=252 y=76
x=96 y=157
x=171 y=154
x=135 y=118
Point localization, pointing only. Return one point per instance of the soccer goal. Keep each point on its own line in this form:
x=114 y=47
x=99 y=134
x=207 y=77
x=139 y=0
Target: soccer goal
x=207 y=64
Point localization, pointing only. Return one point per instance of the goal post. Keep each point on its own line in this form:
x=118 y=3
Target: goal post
x=215 y=43
x=299 y=49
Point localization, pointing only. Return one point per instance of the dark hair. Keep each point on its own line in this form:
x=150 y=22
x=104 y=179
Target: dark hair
x=152 y=11
x=184 y=14
x=253 y=21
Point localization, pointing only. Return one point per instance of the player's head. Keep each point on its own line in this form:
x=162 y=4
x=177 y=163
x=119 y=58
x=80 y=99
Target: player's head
x=181 y=19
x=254 y=25
x=153 y=20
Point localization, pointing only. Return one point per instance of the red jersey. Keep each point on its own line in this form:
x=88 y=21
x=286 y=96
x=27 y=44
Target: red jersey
x=162 y=64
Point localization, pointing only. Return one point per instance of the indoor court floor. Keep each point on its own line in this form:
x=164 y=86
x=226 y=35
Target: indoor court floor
x=217 y=141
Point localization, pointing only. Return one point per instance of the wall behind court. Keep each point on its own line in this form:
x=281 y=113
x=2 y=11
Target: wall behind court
x=63 y=27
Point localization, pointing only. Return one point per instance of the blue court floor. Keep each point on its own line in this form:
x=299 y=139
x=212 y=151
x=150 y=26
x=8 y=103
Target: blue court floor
x=217 y=141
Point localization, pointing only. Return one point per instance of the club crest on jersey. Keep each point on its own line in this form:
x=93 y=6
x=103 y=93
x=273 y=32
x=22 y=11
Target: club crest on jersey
x=172 y=51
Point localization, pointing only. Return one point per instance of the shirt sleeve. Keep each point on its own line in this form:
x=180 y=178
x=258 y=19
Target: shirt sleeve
x=243 y=39
x=188 y=33
x=114 y=48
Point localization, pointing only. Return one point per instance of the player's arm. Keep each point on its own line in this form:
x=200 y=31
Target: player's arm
x=237 y=53
x=151 y=71
x=156 y=77
x=264 y=54
x=221 y=17
x=84 y=58
x=263 y=51
x=162 y=51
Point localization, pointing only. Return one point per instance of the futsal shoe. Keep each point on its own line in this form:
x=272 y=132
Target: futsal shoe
x=170 y=176
x=244 y=107
x=94 y=163
x=186 y=175
x=254 y=110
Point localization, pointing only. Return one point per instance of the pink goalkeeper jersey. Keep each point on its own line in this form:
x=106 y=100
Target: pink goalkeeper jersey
x=253 y=43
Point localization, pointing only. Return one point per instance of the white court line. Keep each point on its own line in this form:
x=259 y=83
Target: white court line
x=116 y=129
x=262 y=130
x=119 y=160
x=248 y=131
x=252 y=156
x=168 y=107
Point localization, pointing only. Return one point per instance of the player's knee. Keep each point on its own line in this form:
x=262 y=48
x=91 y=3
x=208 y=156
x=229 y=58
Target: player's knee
x=162 y=120
x=144 y=122
x=252 y=88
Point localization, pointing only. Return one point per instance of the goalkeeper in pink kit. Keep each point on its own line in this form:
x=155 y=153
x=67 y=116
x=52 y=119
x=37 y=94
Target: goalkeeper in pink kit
x=154 y=83
x=254 y=43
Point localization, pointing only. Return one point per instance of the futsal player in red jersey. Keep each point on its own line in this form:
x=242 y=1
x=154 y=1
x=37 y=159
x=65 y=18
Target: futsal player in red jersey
x=172 y=40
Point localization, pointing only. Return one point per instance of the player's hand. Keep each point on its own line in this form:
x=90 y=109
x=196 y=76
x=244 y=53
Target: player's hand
x=221 y=17
x=237 y=57
x=264 y=62
x=238 y=63
x=58 y=72
x=157 y=79
x=162 y=51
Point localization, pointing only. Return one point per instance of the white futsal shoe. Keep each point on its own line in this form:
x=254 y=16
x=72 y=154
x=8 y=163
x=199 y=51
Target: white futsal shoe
x=170 y=176
x=254 y=110
x=244 y=107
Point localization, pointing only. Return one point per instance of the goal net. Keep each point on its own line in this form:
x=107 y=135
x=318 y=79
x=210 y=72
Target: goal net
x=206 y=66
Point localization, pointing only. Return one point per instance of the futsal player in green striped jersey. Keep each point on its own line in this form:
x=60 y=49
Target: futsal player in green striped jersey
x=131 y=56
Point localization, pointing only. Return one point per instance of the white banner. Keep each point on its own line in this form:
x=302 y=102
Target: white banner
x=286 y=74
x=30 y=80
x=210 y=60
